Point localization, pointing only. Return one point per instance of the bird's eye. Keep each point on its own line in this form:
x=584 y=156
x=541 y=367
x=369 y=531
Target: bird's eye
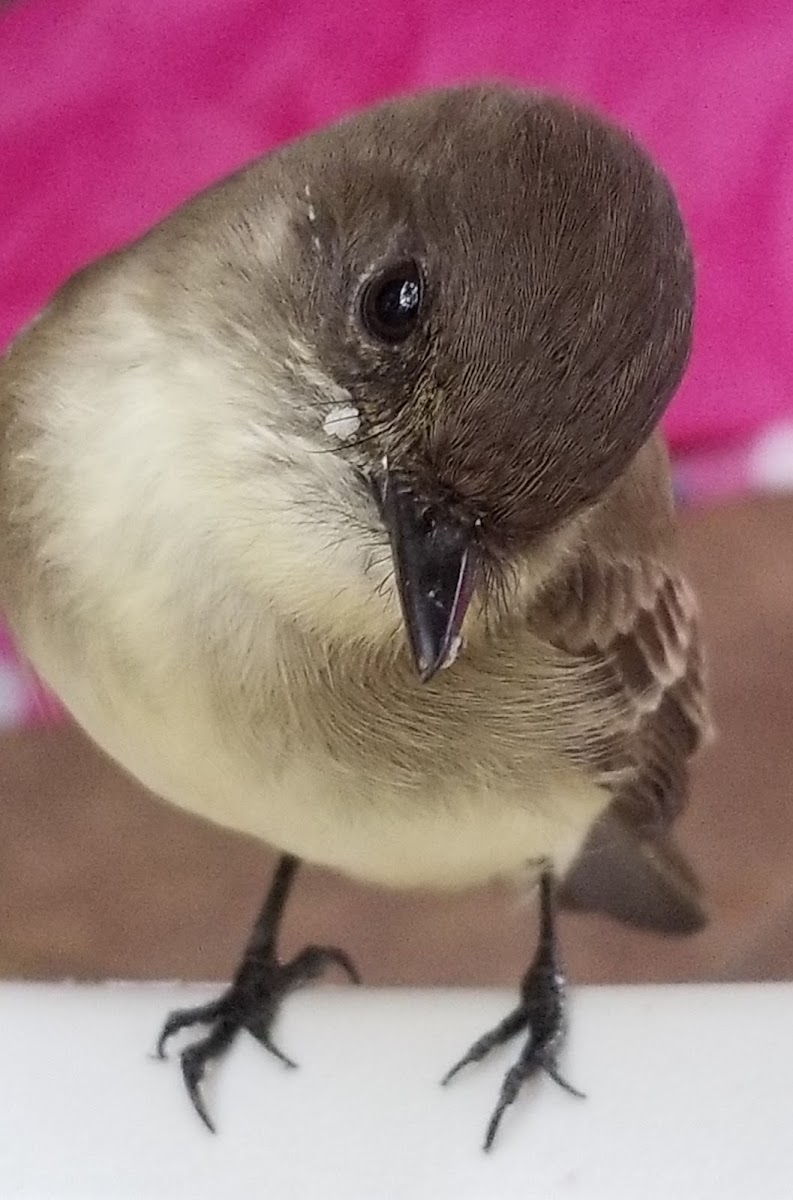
x=391 y=303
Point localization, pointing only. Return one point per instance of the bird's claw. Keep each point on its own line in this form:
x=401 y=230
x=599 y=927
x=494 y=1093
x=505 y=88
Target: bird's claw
x=545 y=1030
x=252 y=1002
x=540 y=1014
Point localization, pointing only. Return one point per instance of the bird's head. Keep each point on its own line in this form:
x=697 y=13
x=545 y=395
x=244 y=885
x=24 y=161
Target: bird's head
x=455 y=320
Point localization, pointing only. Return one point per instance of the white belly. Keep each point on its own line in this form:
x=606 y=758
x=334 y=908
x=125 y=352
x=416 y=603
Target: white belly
x=459 y=829
x=461 y=837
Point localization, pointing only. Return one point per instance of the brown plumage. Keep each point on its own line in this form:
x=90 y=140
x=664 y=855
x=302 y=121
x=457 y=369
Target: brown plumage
x=624 y=602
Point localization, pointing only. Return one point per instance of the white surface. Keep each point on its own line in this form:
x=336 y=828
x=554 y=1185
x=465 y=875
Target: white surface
x=689 y=1096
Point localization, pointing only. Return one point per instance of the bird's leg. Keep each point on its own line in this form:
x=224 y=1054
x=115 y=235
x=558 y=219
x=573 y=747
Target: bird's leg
x=540 y=1013
x=254 y=997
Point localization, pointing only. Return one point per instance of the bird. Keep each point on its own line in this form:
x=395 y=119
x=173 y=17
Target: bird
x=336 y=509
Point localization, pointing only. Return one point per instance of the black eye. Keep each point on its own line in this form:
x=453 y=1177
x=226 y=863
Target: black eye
x=391 y=303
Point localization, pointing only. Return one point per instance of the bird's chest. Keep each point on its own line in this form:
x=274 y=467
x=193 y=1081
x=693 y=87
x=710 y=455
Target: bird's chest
x=351 y=765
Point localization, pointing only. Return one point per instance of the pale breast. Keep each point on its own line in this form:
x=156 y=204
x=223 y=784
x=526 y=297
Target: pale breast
x=443 y=786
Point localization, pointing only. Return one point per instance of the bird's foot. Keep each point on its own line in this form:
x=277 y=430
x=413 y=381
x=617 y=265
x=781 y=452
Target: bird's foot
x=251 y=1002
x=540 y=1014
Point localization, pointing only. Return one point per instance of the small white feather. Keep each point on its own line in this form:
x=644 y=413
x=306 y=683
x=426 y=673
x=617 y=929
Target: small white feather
x=342 y=422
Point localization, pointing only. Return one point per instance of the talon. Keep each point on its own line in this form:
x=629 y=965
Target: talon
x=552 y=1070
x=168 y=1030
x=510 y=1088
x=312 y=961
x=348 y=966
x=193 y=1064
x=503 y=1032
x=279 y=1054
x=466 y=1061
x=451 y=1073
x=183 y=1018
x=262 y=1035
x=492 y=1128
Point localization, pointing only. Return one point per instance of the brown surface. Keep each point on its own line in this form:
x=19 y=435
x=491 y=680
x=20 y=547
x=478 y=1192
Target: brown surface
x=98 y=879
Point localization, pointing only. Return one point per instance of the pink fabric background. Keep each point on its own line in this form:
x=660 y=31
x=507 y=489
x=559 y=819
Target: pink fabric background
x=112 y=112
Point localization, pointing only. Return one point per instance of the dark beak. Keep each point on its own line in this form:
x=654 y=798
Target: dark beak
x=436 y=569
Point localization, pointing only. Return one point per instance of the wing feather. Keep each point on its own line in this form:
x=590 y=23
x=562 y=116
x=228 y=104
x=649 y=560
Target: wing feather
x=637 y=614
